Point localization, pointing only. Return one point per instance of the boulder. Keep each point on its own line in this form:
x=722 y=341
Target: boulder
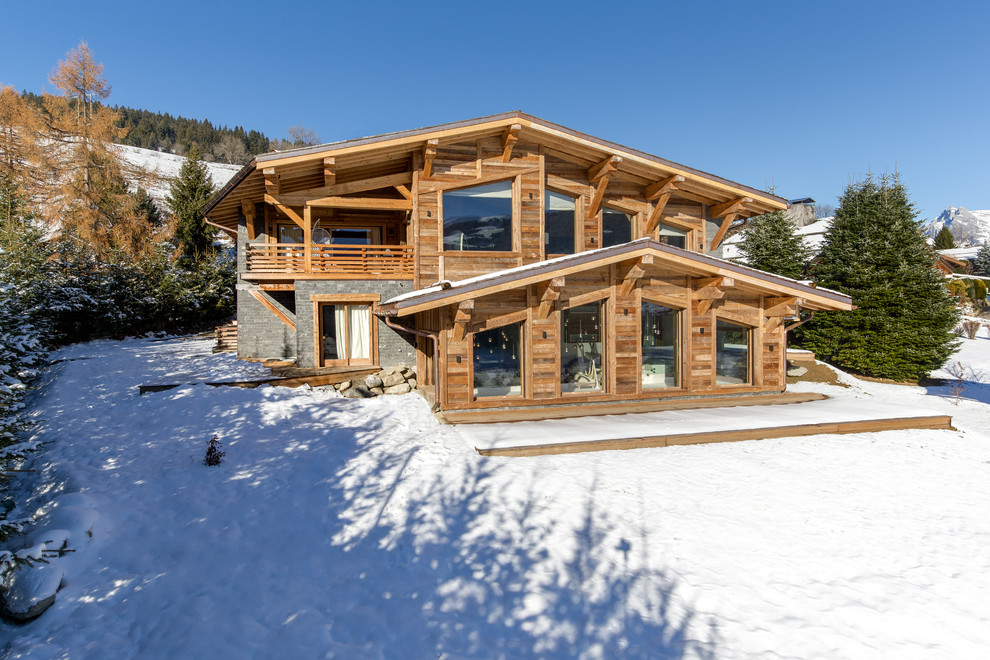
x=408 y=372
x=377 y=391
x=796 y=371
x=343 y=385
x=411 y=383
x=401 y=388
x=390 y=370
x=373 y=381
x=392 y=379
x=357 y=392
x=30 y=591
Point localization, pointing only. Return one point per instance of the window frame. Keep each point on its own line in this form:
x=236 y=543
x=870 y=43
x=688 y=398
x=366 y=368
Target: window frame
x=678 y=346
x=578 y=244
x=522 y=362
x=601 y=224
x=750 y=353
x=319 y=300
x=514 y=215
x=604 y=305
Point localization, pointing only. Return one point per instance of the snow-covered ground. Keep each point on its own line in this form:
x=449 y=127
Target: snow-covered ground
x=364 y=529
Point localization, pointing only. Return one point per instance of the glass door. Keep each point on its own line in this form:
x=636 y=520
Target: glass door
x=345 y=334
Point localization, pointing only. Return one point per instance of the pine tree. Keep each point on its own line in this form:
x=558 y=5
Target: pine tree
x=187 y=196
x=876 y=252
x=944 y=240
x=981 y=265
x=771 y=243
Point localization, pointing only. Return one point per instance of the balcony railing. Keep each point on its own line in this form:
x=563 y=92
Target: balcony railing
x=340 y=259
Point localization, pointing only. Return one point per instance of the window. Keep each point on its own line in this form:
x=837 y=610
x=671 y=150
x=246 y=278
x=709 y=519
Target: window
x=498 y=361
x=582 y=364
x=660 y=346
x=616 y=227
x=731 y=353
x=559 y=219
x=345 y=333
x=355 y=236
x=478 y=218
x=673 y=236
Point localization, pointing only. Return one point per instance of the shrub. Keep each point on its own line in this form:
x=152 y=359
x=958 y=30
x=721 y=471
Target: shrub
x=214 y=452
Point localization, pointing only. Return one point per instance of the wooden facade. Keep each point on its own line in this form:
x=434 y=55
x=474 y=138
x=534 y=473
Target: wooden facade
x=587 y=274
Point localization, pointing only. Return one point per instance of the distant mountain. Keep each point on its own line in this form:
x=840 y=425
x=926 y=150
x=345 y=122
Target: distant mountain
x=969 y=228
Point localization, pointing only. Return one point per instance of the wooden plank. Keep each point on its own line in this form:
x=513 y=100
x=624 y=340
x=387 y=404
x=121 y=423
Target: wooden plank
x=370 y=203
x=301 y=197
x=941 y=422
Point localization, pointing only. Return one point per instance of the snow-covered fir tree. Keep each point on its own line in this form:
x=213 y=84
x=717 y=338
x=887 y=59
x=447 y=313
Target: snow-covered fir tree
x=771 y=243
x=876 y=252
x=981 y=264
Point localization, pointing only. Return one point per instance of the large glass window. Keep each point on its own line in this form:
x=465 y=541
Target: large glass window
x=582 y=333
x=290 y=234
x=673 y=236
x=498 y=361
x=616 y=227
x=355 y=235
x=345 y=333
x=559 y=220
x=478 y=218
x=660 y=346
x=731 y=353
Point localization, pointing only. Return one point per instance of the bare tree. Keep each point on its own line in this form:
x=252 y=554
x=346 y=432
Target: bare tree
x=232 y=150
x=303 y=136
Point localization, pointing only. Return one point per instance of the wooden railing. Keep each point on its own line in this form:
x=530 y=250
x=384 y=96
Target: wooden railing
x=342 y=259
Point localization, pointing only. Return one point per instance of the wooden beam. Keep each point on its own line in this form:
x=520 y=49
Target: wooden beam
x=300 y=197
x=509 y=139
x=781 y=306
x=550 y=292
x=277 y=286
x=308 y=238
x=654 y=220
x=247 y=208
x=596 y=200
x=664 y=187
x=263 y=299
x=733 y=206
x=295 y=217
x=772 y=323
x=629 y=273
x=271 y=181
x=429 y=153
x=500 y=320
x=708 y=290
x=603 y=168
x=462 y=319
x=500 y=174
x=329 y=171
x=374 y=203
x=720 y=234
x=404 y=191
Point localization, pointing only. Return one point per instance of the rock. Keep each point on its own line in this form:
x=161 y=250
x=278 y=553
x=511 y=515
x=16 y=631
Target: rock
x=411 y=383
x=390 y=370
x=401 y=388
x=356 y=392
x=408 y=372
x=392 y=379
x=373 y=381
x=30 y=591
x=377 y=391
x=796 y=371
x=343 y=385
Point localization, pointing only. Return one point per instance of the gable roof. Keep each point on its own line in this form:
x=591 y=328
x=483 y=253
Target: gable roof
x=446 y=293
x=389 y=144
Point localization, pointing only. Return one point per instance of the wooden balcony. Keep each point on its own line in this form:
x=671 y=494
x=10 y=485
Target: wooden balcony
x=289 y=260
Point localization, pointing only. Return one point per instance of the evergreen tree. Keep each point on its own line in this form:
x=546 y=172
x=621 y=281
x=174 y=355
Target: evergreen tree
x=981 y=265
x=771 y=243
x=876 y=252
x=944 y=240
x=187 y=196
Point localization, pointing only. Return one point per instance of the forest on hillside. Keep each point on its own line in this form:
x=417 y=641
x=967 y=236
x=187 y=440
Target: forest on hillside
x=163 y=132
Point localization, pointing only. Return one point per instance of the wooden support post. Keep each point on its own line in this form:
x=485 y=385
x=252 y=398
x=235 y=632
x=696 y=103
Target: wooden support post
x=429 y=153
x=247 y=208
x=308 y=238
x=329 y=171
x=661 y=192
x=509 y=139
x=720 y=234
x=728 y=211
x=629 y=273
x=271 y=181
x=596 y=200
x=549 y=292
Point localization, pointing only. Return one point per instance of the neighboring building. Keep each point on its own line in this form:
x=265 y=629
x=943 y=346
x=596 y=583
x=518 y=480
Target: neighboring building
x=513 y=261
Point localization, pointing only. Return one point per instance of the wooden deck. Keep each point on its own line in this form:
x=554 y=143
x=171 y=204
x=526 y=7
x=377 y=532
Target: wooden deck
x=592 y=410
x=282 y=377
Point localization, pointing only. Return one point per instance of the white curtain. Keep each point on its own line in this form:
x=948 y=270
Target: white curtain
x=360 y=331
x=340 y=323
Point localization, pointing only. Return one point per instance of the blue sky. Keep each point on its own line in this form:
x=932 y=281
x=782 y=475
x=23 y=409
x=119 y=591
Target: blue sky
x=804 y=96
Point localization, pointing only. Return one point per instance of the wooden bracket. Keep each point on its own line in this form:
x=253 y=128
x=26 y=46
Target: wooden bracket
x=271 y=181
x=596 y=199
x=782 y=306
x=404 y=191
x=286 y=210
x=733 y=206
x=247 y=208
x=509 y=139
x=270 y=306
x=329 y=171
x=710 y=289
x=661 y=192
x=604 y=168
x=462 y=319
x=720 y=234
x=429 y=153
x=629 y=273
x=549 y=292
x=772 y=323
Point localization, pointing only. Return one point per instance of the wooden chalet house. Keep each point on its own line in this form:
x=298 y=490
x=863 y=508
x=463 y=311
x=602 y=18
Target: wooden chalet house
x=513 y=262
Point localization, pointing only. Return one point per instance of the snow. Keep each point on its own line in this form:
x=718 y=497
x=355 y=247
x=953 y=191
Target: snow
x=362 y=528
x=969 y=228
x=166 y=166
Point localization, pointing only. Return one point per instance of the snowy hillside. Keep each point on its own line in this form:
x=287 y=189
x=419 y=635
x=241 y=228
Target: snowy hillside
x=363 y=528
x=969 y=228
x=813 y=236
x=166 y=167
